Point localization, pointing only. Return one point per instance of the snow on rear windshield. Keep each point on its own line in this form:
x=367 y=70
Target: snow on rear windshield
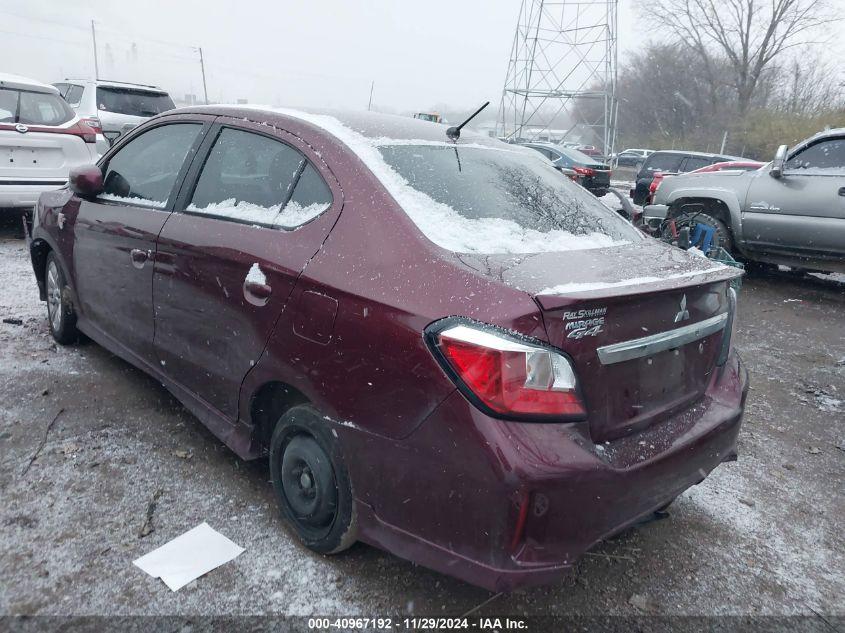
x=484 y=200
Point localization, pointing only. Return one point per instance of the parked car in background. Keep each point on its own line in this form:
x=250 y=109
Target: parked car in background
x=41 y=138
x=731 y=165
x=446 y=349
x=750 y=165
x=632 y=157
x=591 y=150
x=589 y=173
x=671 y=162
x=113 y=108
x=790 y=212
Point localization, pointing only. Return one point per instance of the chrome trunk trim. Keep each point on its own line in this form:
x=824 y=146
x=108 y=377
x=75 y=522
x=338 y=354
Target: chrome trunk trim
x=651 y=345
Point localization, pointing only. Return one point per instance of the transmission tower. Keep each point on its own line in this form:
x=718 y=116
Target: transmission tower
x=561 y=79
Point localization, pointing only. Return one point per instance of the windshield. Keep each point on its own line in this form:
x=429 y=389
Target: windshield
x=33 y=108
x=132 y=101
x=487 y=200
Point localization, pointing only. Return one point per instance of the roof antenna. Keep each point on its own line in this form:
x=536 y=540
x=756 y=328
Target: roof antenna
x=454 y=133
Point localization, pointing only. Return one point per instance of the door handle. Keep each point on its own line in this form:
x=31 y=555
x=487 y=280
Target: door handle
x=139 y=257
x=260 y=291
x=842 y=191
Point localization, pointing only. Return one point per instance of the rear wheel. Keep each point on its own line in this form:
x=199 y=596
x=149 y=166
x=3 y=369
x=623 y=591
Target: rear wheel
x=60 y=314
x=311 y=481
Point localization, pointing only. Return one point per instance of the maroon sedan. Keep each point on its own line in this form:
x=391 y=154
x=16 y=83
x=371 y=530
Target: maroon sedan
x=446 y=350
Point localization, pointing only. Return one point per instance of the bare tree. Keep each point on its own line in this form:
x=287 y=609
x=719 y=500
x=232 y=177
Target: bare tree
x=744 y=37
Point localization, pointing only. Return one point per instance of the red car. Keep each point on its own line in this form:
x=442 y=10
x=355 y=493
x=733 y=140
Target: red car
x=436 y=342
x=735 y=165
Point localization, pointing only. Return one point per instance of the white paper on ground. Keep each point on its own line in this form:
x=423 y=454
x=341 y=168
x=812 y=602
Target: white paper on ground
x=189 y=556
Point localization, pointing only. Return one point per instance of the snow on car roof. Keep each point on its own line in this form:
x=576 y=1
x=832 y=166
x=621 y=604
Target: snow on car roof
x=8 y=80
x=371 y=125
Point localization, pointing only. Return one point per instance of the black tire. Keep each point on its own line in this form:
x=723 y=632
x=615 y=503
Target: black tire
x=722 y=236
x=60 y=314
x=312 y=482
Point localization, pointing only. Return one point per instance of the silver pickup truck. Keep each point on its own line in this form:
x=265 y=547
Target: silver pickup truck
x=791 y=211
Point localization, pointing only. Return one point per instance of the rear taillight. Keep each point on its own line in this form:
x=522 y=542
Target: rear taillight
x=727 y=333
x=94 y=123
x=655 y=183
x=585 y=171
x=505 y=376
x=82 y=130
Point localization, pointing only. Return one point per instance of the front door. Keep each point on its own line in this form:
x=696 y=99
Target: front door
x=803 y=211
x=255 y=208
x=115 y=235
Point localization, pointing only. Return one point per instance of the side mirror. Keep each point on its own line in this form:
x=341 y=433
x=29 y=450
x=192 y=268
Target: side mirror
x=86 y=181
x=776 y=170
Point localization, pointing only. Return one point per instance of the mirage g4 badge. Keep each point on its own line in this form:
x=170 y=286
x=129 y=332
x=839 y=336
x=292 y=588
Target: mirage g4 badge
x=581 y=323
x=683 y=313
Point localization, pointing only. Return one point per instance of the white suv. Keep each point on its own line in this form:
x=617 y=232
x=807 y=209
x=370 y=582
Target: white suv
x=41 y=138
x=113 y=108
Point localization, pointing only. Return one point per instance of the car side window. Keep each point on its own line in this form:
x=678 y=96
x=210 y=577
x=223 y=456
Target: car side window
x=144 y=171
x=827 y=155
x=73 y=95
x=663 y=162
x=695 y=162
x=252 y=178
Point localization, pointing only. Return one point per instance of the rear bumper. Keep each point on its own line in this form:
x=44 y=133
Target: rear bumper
x=654 y=214
x=24 y=196
x=504 y=505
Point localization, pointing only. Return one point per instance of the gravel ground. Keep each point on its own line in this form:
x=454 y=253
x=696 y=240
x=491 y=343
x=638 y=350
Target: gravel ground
x=760 y=536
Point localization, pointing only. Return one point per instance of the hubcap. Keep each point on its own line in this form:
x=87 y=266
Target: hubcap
x=54 y=297
x=308 y=484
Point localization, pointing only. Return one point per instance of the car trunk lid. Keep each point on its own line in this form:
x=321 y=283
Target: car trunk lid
x=644 y=343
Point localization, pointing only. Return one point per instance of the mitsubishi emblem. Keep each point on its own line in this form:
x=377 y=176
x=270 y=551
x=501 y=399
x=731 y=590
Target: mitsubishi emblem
x=683 y=313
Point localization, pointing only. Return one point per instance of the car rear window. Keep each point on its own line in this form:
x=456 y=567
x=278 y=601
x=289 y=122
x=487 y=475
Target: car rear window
x=132 y=101
x=578 y=157
x=33 y=108
x=663 y=162
x=486 y=200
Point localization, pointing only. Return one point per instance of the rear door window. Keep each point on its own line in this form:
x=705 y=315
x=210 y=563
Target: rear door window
x=695 y=162
x=132 y=101
x=74 y=95
x=663 y=162
x=255 y=179
x=33 y=108
x=144 y=171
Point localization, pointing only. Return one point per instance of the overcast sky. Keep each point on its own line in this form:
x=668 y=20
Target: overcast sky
x=292 y=52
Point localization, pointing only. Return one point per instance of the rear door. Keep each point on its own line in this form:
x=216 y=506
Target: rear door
x=802 y=212
x=257 y=206
x=115 y=235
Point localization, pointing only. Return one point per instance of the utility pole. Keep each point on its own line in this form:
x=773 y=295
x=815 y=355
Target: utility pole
x=724 y=141
x=372 y=87
x=96 y=63
x=202 y=68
